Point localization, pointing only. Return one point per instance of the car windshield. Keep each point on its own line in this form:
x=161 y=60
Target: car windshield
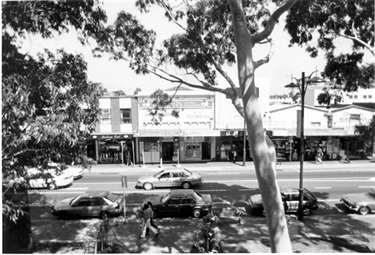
x=155 y=175
x=188 y=172
x=112 y=197
x=165 y=198
x=371 y=194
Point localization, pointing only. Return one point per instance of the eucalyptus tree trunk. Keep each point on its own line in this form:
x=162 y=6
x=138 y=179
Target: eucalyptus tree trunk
x=263 y=152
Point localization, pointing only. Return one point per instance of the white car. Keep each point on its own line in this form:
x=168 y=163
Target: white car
x=50 y=179
x=75 y=170
x=170 y=177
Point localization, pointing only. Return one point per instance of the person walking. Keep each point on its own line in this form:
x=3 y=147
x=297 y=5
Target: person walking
x=147 y=216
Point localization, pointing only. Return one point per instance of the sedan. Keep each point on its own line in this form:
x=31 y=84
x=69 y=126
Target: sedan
x=290 y=198
x=50 y=179
x=181 y=202
x=90 y=204
x=362 y=203
x=170 y=177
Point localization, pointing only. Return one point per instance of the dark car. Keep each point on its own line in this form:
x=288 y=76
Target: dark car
x=290 y=199
x=181 y=202
x=362 y=203
x=90 y=204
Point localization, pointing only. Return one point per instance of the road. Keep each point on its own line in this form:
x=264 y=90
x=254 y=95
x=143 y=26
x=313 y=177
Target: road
x=327 y=184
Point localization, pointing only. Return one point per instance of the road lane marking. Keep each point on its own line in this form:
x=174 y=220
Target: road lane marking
x=366 y=187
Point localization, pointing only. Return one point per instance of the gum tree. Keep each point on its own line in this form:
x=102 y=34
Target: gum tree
x=214 y=35
x=322 y=25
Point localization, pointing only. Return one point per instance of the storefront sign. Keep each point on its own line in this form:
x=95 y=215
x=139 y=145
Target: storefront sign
x=158 y=133
x=103 y=137
x=194 y=139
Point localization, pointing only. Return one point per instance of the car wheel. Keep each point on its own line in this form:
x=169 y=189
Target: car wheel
x=197 y=213
x=147 y=186
x=364 y=210
x=104 y=215
x=52 y=185
x=186 y=185
x=306 y=211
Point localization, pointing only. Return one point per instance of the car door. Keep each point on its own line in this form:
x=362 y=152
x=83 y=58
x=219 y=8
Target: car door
x=293 y=202
x=171 y=207
x=97 y=206
x=164 y=180
x=81 y=207
x=187 y=205
x=176 y=179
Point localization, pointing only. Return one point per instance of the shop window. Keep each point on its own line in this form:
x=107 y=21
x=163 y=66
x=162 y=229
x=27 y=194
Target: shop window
x=126 y=116
x=105 y=117
x=315 y=124
x=355 y=117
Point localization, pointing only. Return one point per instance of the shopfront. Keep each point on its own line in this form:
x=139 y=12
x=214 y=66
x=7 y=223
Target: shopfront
x=158 y=146
x=111 y=149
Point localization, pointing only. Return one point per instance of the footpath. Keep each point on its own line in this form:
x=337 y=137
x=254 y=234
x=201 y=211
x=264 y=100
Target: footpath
x=222 y=166
x=332 y=233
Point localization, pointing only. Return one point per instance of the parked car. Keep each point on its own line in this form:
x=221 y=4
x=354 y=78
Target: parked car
x=170 y=177
x=290 y=198
x=101 y=204
x=181 y=202
x=362 y=203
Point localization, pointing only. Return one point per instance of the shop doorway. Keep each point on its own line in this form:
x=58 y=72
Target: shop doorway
x=206 y=150
x=167 y=151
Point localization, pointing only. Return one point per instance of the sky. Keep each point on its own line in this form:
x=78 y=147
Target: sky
x=116 y=75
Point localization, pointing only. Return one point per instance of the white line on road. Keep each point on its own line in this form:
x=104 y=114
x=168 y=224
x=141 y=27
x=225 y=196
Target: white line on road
x=366 y=187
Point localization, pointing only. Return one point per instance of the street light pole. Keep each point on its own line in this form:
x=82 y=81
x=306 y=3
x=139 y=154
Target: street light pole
x=302 y=85
x=302 y=148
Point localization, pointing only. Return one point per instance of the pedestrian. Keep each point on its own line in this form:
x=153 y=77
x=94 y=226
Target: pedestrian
x=147 y=216
x=128 y=158
x=319 y=156
x=153 y=215
x=234 y=153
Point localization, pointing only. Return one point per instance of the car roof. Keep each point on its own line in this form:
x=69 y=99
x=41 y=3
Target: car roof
x=293 y=190
x=95 y=193
x=182 y=192
x=174 y=169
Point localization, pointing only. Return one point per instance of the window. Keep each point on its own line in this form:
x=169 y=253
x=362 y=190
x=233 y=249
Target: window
x=126 y=116
x=97 y=201
x=315 y=124
x=83 y=202
x=355 y=116
x=105 y=118
x=364 y=96
x=355 y=96
x=369 y=96
x=174 y=201
x=350 y=97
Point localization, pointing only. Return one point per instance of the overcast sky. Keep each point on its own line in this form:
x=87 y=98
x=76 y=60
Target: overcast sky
x=115 y=75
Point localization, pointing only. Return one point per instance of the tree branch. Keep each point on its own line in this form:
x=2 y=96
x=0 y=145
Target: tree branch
x=266 y=32
x=267 y=58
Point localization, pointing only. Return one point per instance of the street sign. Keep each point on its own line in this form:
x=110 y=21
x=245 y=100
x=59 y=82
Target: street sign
x=124 y=182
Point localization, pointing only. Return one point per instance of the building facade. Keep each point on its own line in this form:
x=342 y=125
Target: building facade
x=208 y=127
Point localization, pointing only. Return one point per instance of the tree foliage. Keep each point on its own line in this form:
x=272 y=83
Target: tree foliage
x=319 y=24
x=48 y=105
